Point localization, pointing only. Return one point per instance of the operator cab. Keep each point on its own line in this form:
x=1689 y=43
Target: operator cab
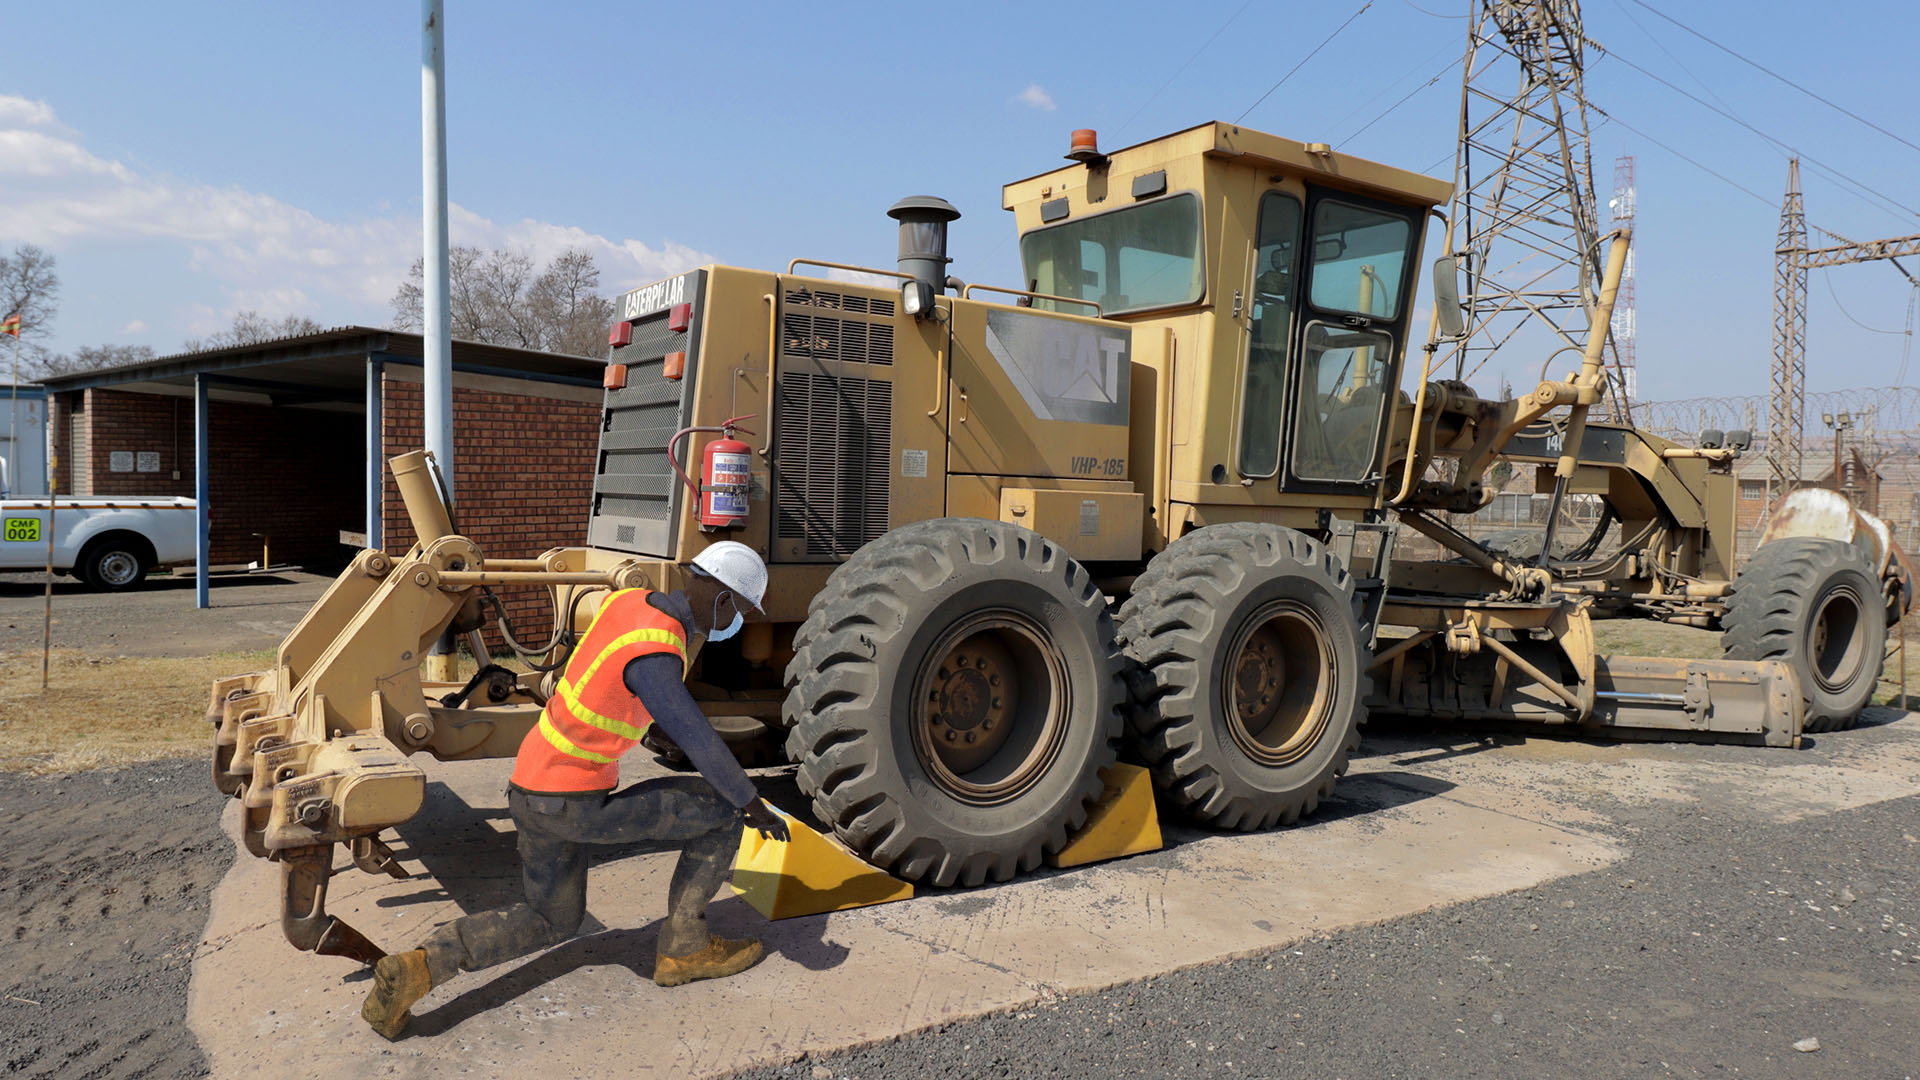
x=1292 y=267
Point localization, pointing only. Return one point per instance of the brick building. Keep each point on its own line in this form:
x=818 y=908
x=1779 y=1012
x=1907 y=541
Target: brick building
x=299 y=430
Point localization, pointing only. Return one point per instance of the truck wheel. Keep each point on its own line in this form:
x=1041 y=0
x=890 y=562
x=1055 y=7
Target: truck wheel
x=1814 y=604
x=956 y=693
x=111 y=564
x=1249 y=673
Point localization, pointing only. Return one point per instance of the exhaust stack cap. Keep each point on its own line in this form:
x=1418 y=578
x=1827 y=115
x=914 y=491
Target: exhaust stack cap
x=1084 y=147
x=923 y=240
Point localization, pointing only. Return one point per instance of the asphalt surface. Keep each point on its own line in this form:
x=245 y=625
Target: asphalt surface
x=1709 y=951
x=1719 y=941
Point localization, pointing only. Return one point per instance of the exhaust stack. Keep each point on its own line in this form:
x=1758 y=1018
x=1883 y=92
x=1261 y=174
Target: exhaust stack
x=923 y=244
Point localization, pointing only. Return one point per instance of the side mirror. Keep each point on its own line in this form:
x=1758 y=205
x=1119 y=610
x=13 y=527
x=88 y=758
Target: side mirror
x=1446 y=298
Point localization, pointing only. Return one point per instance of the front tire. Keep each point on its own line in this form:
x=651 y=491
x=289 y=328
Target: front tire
x=111 y=566
x=1249 y=676
x=1813 y=603
x=956 y=693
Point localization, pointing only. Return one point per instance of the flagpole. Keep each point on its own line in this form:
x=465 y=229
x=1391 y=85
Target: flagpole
x=13 y=417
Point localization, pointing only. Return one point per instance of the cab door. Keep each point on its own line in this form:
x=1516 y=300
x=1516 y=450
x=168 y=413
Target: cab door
x=1355 y=265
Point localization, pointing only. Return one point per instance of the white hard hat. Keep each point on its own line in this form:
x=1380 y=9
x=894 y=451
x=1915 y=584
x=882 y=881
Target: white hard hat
x=736 y=566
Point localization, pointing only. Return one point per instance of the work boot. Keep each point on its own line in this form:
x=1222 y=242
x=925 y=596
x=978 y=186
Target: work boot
x=719 y=959
x=399 y=980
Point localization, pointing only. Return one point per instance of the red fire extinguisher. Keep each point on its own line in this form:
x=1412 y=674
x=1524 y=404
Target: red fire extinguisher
x=721 y=494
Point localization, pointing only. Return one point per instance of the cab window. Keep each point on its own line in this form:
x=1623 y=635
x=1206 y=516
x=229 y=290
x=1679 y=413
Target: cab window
x=1145 y=256
x=1343 y=390
x=1359 y=258
x=1263 y=393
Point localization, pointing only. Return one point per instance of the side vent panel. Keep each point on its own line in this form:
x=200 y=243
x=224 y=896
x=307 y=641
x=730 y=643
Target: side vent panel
x=835 y=446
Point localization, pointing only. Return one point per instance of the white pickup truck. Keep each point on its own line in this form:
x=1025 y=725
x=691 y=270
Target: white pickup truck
x=108 y=542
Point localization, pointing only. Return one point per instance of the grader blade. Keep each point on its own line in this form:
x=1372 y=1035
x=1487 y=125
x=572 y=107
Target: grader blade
x=1644 y=697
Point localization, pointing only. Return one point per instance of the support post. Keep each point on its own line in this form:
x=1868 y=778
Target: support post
x=375 y=431
x=202 y=546
x=435 y=319
x=436 y=345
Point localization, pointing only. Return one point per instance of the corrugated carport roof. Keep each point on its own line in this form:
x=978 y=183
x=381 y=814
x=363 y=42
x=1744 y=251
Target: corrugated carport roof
x=327 y=361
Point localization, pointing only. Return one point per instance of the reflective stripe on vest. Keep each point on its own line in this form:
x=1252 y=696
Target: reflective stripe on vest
x=592 y=717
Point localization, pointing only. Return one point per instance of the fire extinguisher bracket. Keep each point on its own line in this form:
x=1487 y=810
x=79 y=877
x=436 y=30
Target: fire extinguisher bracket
x=720 y=495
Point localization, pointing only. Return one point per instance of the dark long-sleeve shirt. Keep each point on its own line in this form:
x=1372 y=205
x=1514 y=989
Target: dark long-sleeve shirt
x=657 y=680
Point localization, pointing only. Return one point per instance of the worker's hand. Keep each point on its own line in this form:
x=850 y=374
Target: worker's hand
x=770 y=824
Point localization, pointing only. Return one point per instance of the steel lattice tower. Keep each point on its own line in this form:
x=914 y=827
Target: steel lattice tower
x=1523 y=216
x=1625 y=319
x=1788 y=402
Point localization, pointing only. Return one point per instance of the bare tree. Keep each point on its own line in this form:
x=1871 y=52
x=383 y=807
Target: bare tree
x=95 y=357
x=496 y=297
x=251 y=327
x=30 y=288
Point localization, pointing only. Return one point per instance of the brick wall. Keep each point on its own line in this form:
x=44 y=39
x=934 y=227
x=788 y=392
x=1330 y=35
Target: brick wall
x=294 y=475
x=523 y=477
x=60 y=424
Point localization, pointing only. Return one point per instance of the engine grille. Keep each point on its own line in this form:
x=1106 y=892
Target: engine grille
x=635 y=493
x=834 y=446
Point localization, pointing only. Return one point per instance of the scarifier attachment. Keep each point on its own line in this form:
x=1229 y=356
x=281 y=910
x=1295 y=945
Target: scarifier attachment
x=809 y=875
x=1644 y=697
x=1124 y=822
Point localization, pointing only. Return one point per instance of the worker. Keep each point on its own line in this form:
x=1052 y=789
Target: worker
x=626 y=674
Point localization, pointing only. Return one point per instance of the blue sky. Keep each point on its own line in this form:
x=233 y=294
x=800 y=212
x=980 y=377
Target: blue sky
x=187 y=161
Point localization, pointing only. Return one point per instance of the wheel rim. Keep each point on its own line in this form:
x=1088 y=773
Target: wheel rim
x=1838 y=646
x=119 y=568
x=1277 y=696
x=991 y=703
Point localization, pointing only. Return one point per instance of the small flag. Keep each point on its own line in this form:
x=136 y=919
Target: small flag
x=11 y=324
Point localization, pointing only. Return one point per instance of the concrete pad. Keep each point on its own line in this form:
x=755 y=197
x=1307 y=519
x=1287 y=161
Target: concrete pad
x=1420 y=822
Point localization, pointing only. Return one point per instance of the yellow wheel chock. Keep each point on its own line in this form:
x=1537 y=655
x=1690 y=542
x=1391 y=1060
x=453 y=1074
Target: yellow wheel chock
x=1123 y=822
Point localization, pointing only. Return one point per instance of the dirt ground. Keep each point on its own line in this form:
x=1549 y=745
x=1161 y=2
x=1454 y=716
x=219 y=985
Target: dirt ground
x=104 y=879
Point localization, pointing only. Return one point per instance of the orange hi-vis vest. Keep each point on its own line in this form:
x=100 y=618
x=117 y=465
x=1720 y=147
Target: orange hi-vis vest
x=592 y=717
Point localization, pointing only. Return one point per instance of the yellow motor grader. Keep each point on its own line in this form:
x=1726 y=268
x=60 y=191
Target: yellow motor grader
x=1145 y=502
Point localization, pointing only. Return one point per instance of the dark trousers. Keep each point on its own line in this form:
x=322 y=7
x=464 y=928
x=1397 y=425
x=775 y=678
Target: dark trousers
x=555 y=832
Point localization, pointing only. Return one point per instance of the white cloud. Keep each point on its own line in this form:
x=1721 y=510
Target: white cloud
x=273 y=257
x=1035 y=96
x=137 y=326
x=22 y=112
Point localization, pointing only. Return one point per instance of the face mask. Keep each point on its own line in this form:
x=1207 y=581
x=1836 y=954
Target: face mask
x=732 y=628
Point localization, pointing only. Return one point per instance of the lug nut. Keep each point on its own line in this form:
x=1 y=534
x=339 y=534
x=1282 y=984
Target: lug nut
x=952 y=735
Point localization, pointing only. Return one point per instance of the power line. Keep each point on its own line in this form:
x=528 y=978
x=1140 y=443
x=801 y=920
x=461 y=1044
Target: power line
x=1231 y=19
x=1304 y=59
x=1722 y=177
x=1448 y=66
x=1648 y=34
x=1777 y=143
x=1394 y=85
x=1828 y=278
x=1776 y=75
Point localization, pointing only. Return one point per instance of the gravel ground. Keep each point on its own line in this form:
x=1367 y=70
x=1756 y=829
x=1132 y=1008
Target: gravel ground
x=250 y=611
x=1710 y=951
x=104 y=878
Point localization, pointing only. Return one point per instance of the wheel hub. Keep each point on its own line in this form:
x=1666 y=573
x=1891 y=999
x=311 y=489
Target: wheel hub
x=119 y=568
x=992 y=707
x=1279 y=700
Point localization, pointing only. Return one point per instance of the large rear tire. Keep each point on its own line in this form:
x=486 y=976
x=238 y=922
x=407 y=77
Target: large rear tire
x=1249 y=675
x=1813 y=603
x=955 y=692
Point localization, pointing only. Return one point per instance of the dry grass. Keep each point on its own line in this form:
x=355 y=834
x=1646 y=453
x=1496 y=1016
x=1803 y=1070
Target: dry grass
x=107 y=712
